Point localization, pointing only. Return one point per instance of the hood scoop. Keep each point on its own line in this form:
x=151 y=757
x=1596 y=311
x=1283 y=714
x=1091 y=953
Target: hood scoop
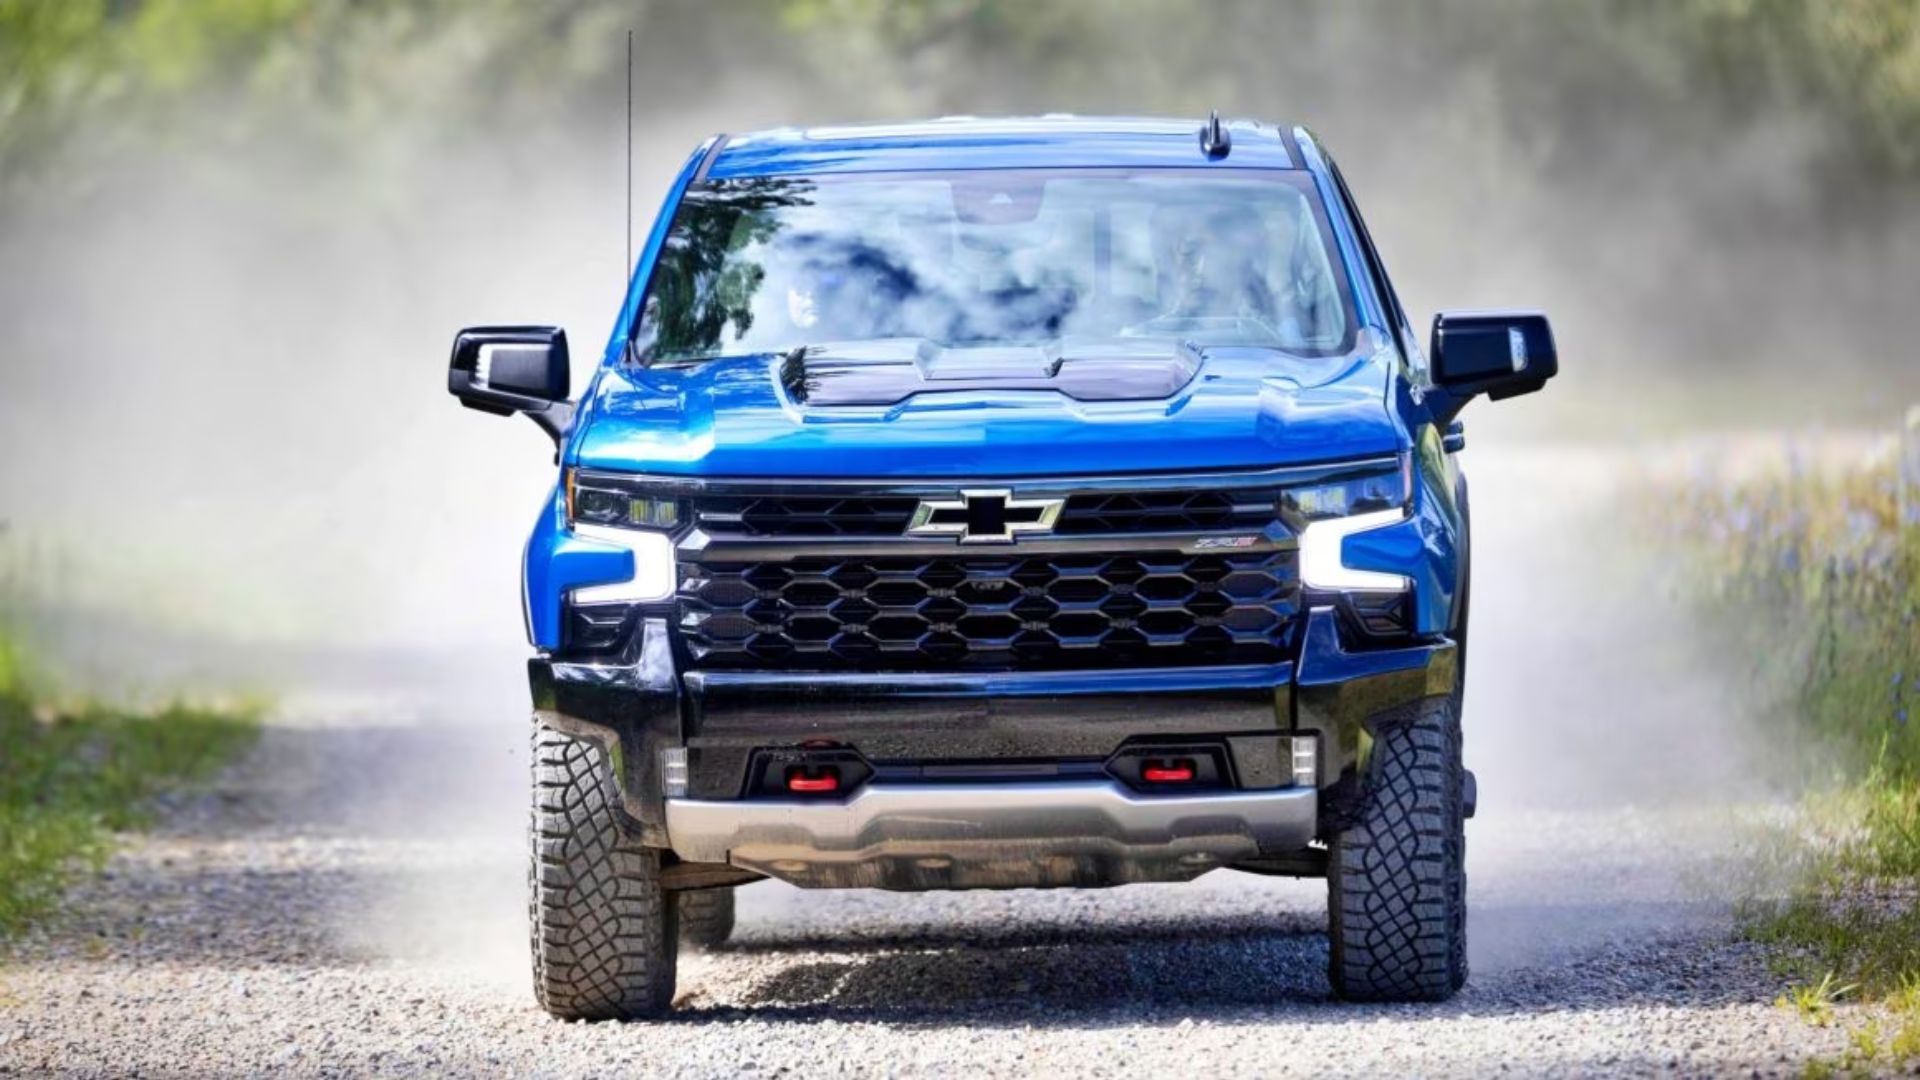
x=889 y=371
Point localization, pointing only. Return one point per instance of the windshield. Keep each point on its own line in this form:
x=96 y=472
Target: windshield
x=770 y=264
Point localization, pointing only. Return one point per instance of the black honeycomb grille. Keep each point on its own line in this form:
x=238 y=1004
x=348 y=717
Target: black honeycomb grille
x=773 y=515
x=805 y=515
x=1167 y=511
x=1004 y=613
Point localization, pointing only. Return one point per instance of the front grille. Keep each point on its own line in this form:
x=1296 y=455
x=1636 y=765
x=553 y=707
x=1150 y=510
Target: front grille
x=804 y=515
x=775 y=515
x=1033 y=612
x=1167 y=511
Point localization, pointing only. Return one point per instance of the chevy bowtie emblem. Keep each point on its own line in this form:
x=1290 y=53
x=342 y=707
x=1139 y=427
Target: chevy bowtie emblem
x=984 y=517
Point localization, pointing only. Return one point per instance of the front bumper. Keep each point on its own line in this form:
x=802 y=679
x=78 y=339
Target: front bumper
x=932 y=817
x=959 y=836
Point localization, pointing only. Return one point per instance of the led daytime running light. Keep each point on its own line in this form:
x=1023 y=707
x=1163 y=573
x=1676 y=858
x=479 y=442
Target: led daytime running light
x=1322 y=565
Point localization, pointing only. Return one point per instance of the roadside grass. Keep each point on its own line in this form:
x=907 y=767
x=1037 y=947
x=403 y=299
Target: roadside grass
x=75 y=772
x=1816 y=576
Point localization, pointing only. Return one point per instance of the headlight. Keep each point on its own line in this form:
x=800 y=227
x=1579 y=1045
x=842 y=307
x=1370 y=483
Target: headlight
x=1346 y=498
x=601 y=511
x=593 y=501
x=1329 y=513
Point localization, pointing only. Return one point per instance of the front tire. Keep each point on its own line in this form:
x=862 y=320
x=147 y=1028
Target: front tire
x=604 y=931
x=1396 y=878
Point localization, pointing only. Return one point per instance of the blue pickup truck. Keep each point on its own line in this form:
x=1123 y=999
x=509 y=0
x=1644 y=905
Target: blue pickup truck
x=1000 y=504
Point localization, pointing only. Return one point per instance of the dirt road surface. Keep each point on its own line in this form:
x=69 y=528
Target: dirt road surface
x=349 y=899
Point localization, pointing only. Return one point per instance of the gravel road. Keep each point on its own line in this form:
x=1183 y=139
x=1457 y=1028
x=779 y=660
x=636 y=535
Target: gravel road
x=349 y=900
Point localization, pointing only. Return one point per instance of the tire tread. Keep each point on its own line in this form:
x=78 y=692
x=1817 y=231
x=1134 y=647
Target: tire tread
x=706 y=917
x=1396 y=882
x=602 y=928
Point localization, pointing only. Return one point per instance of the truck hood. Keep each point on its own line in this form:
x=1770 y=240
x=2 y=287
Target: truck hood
x=749 y=416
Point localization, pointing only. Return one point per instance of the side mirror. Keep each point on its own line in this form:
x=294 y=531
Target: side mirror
x=1496 y=353
x=514 y=369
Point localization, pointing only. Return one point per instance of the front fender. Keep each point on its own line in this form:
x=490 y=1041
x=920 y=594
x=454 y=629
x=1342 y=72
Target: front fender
x=1427 y=547
x=556 y=561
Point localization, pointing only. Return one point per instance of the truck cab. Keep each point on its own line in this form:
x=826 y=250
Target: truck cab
x=1027 y=503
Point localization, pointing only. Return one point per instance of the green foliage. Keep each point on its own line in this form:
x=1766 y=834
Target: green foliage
x=1823 y=933
x=71 y=63
x=1818 y=576
x=72 y=776
x=13 y=668
x=1854 y=63
x=1890 y=1040
x=90 y=81
x=75 y=771
x=1820 y=583
x=1814 y=1002
x=1857 y=60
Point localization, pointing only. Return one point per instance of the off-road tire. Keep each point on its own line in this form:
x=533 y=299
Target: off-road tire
x=706 y=917
x=604 y=933
x=1396 y=878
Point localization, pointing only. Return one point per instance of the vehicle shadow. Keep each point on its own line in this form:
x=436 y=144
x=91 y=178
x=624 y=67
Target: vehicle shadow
x=1151 y=963
x=400 y=844
x=1201 y=967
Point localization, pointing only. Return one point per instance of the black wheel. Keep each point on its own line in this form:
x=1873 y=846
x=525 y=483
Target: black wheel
x=604 y=933
x=706 y=917
x=1396 y=878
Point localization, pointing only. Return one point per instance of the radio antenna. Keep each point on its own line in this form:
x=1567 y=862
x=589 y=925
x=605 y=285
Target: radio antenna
x=626 y=268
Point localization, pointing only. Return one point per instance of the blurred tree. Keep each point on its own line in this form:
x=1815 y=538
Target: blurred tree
x=1854 y=62
x=107 y=67
x=81 y=80
x=1857 y=61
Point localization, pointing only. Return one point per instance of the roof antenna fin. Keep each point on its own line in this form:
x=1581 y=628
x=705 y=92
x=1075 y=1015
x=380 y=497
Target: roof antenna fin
x=1214 y=140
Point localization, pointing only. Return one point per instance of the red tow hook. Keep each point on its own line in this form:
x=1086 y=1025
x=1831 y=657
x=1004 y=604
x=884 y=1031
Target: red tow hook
x=1167 y=772
x=827 y=780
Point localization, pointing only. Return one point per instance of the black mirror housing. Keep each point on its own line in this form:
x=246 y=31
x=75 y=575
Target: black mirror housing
x=514 y=369
x=1497 y=353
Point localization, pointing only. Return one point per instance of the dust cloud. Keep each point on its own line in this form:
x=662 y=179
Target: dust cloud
x=221 y=387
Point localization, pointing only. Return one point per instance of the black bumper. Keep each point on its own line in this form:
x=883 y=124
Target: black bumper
x=1025 y=724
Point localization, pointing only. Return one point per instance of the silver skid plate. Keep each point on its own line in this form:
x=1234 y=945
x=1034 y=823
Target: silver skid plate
x=1001 y=835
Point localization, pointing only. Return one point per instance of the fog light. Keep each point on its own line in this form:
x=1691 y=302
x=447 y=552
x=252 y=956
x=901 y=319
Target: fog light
x=1306 y=761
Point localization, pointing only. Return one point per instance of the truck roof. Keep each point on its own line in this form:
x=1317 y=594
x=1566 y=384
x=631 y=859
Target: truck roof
x=965 y=142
